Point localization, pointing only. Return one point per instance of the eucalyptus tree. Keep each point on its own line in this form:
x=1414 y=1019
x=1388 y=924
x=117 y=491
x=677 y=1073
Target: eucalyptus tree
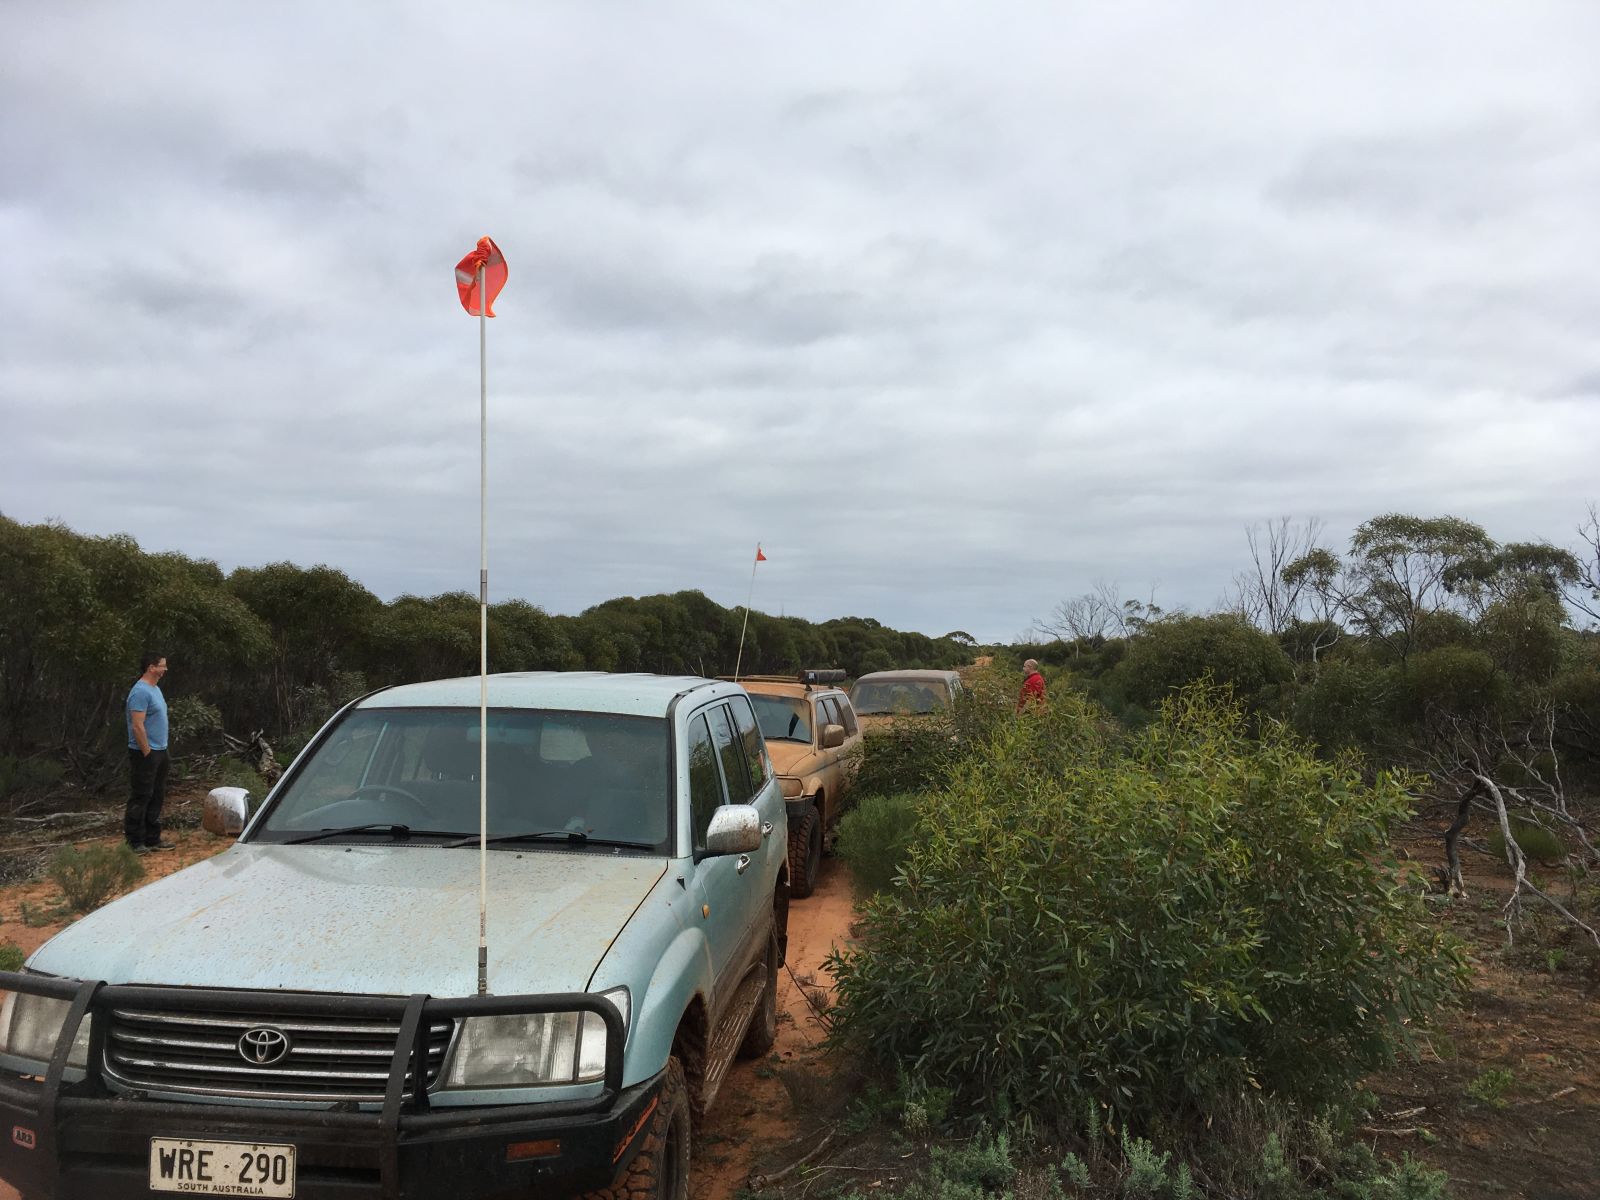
x=317 y=618
x=1401 y=570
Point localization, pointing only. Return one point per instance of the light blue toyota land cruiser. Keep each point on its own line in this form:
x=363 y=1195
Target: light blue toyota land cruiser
x=300 y=1016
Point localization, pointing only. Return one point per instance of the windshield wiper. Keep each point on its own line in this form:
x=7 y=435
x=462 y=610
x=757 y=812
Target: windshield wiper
x=399 y=831
x=574 y=837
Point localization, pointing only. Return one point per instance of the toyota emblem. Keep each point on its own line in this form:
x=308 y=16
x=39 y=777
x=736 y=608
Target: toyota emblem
x=263 y=1045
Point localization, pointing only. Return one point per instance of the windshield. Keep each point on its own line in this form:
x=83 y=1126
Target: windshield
x=603 y=776
x=783 y=718
x=879 y=696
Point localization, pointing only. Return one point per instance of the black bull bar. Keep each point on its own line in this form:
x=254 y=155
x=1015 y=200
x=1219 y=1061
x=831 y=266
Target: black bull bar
x=49 y=1099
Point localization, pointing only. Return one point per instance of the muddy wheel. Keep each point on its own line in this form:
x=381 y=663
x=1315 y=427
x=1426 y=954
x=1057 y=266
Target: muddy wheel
x=763 y=1029
x=805 y=853
x=660 y=1171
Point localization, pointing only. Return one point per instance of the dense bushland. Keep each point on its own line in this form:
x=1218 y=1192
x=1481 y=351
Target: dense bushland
x=1426 y=646
x=1165 y=927
x=279 y=647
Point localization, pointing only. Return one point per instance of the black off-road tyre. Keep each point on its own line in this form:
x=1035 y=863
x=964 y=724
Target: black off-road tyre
x=805 y=854
x=660 y=1171
x=763 y=1029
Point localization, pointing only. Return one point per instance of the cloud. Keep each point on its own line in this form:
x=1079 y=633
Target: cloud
x=956 y=315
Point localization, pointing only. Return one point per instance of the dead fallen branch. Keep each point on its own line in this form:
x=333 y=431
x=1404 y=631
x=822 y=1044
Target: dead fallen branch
x=84 y=818
x=760 y=1182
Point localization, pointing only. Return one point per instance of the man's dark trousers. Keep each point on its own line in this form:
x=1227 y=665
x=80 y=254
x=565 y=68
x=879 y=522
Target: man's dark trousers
x=141 y=824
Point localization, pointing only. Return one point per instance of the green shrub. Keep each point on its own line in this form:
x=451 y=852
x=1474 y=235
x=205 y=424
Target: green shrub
x=1276 y=1178
x=88 y=877
x=1075 y=1171
x=1454 y=679
x=22 y=775
x=873 y=837
x=1145 y=1169
x=1408 y=1180
x=194 y=723
x=232 y=772
x=909 y=754
x=984 y=1163
x=1344 y=704
x=1177 y=651
x=1534 y=840
x=1159 y=927
x=35 y=916
x=11 y=956
x=1490 y=1087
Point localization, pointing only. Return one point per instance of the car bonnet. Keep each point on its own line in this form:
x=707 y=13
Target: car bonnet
x=362 y=919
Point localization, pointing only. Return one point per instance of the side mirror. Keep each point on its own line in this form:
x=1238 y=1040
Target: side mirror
x=225 y=811
x=734 y=829
x=832 y=736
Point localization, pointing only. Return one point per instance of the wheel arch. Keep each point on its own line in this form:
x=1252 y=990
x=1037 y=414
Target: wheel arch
x=678 y=987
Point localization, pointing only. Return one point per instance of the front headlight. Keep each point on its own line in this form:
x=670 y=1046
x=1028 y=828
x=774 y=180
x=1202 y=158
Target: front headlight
x=792 y=787
x=30 y=1025
x=526 y=1049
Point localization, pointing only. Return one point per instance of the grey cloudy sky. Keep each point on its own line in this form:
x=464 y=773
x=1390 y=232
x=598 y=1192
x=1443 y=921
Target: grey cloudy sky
x=958 y=309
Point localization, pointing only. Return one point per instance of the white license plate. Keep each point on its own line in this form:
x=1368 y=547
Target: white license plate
x=221 y=1168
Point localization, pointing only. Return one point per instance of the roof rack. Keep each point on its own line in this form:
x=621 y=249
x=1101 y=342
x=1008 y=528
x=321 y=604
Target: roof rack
x=809 y=678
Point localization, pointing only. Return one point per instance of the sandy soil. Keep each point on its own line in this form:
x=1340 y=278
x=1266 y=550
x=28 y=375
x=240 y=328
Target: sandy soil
x=1509 y=1105
x=754 y=1121
x=24 y=907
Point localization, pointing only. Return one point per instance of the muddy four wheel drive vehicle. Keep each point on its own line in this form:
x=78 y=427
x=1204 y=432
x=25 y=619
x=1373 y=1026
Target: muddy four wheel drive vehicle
x=882 y=695
x=811 y=730
x=299 y=1017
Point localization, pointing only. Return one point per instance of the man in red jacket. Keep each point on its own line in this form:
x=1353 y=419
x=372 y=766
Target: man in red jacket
x=1032 y=694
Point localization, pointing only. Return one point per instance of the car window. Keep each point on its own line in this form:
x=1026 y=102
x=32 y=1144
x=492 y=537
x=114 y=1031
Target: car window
x=755 y=749
x=600 y=774
x=869 y=697
x=847 y=716
x=899 y=696
x=829 y=709
x=783 y=718
x=705 y=780
x=731 y=753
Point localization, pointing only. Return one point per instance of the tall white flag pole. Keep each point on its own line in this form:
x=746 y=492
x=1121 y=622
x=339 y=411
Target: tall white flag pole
x=739 y=659
x=483 y=629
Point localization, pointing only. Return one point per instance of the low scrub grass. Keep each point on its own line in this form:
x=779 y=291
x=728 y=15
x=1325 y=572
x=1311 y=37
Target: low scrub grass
x=1002 y=1166
x=91 y=876
x=1191 y=921
x=1533 y=839
x=24 y=775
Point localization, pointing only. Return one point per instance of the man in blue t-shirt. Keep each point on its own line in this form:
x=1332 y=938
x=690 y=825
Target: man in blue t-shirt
x=147 y=757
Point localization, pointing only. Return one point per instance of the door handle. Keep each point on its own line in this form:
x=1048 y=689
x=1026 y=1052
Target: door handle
x=742 y=865
x=766 y=829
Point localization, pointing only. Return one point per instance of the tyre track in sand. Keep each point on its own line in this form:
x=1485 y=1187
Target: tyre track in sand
x=754 y=1116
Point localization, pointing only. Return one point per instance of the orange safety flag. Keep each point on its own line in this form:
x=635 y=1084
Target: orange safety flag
x=487 y=256
x=760 y=557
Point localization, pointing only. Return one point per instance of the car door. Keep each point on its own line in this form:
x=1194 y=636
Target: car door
x=766 y=795
x=727 y=888
x=848 y=760
x=829 y=766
